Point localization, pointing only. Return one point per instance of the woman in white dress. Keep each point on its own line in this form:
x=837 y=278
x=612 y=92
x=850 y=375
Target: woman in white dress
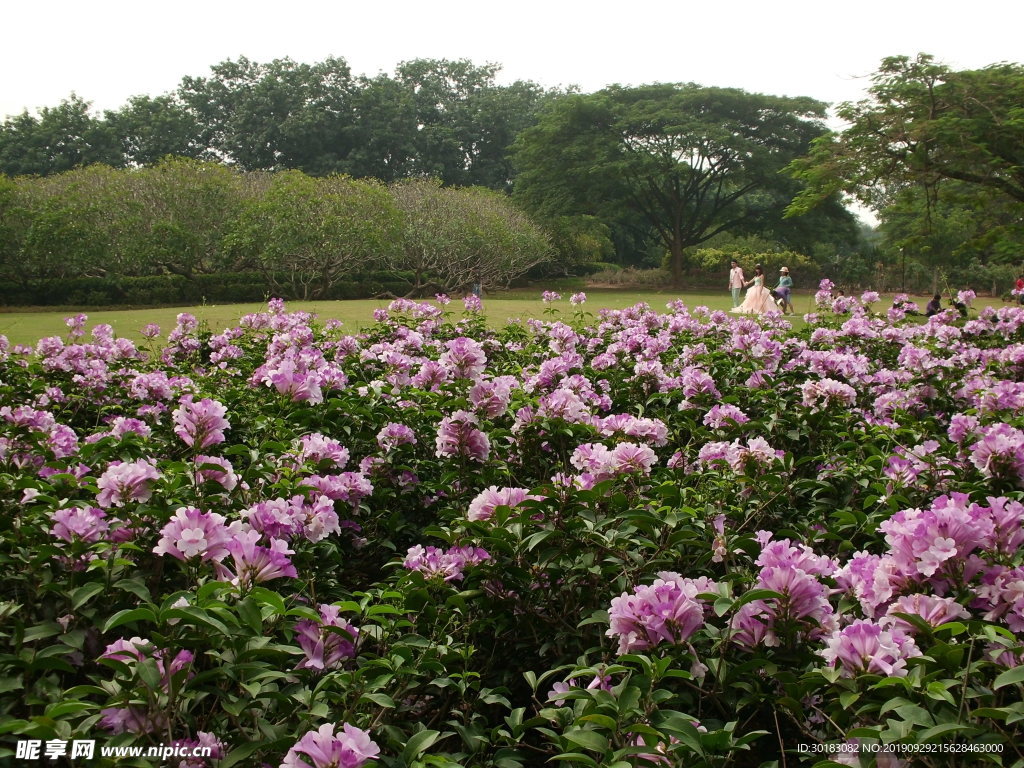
x=758 y=299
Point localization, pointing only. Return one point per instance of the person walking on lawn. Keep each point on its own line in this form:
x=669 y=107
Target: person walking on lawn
x=736 y=282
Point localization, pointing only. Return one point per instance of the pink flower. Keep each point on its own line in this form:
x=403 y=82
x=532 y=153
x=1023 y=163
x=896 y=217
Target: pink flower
x=325 y=649
x=394 y=435
x=217 y=470
x=317 y=448
x=201 y=424
x=123 y=483
x=137 y=650
x=872 y=579
x=349 y=748
x=1000 y=453
x=458 y=436
x=491 y=397
x=194 y=533
x=290 y=375
x=276 y=518
x=350 y=487
x=255 y=564
x=78 y=524
x=464 y=358
x=487 y=501
x=821 y=393
x=205 y=740
x=804 y=603
x=934 y=610
x=631 y=458
x=602 y=463
x=132 y=720
x=433 y=562
x=666 y=611
x=922 y=541
x=724 y=416
x=864 y=646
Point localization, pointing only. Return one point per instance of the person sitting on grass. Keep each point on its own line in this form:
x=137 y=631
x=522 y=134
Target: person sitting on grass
x=934 y=306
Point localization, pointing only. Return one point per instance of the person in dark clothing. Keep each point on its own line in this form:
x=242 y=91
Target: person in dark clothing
x=934 y=306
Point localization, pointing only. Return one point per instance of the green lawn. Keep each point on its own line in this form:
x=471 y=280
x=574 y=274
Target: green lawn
x=26 y=327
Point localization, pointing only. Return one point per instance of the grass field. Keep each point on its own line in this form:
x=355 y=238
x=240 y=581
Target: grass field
x=27 y=327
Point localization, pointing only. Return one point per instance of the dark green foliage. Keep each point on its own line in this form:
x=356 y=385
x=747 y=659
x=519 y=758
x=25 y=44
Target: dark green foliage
x=175 y=290
x=678 y=162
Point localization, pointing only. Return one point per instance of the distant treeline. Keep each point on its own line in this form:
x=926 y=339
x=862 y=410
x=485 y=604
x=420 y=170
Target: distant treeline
x=441 y=119
x=307 y=175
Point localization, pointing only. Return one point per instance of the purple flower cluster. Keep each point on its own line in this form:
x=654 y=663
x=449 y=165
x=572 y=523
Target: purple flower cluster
x=200 y=424
x=328 y=642
x=482 y=507
x=446 y=565
x=349 y=747
x=459 y=437
x=669 y=610
x=866 y=647
x=126 y=482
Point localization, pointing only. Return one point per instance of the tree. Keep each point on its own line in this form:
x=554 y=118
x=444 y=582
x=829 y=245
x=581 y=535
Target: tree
x=384 y=141
x=60 y=138
x=307 y=234
x=184 y=208
x=691 y=161
x=149 y=129
x=922 y=124
x=76 y=221
x=455 y=236
x=275 y=116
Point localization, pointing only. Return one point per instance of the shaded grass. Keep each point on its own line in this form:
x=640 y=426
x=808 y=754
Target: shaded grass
x=27 y=326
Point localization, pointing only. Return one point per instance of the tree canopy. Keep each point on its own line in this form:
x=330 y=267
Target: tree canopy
x=691 y=161
x=922 y=123
x=446 y=119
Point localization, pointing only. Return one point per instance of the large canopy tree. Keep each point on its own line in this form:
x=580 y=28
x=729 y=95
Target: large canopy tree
x=922 y=124
x=275 y=116
x=692 y=161
x=57 y=139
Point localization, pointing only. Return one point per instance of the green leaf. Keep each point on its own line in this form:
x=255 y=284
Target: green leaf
x=931 y=734
x=847 y=698
x=380 y=699
x=602 y=721
x=268 y=597
x=419 y=743
x=41 y=631
x=251 y=615
x=757 y=594
x=84 y=593
x=576 y=757
x=128 y=616
x=59 y=711
x=588 y=740
x=1009 y=677
x=196 y=616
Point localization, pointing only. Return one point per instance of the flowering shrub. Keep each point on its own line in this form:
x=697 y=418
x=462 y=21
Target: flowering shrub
x=635 y=538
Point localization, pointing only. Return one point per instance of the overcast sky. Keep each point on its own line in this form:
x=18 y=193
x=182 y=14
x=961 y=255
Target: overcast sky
x=108 y=50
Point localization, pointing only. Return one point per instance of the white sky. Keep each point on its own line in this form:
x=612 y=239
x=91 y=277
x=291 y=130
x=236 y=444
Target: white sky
x=108 y=50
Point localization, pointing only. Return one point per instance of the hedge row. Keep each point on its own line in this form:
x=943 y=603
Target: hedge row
x=220 y=288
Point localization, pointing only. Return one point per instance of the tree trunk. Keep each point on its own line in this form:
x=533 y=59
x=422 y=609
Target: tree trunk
x=676 y=262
